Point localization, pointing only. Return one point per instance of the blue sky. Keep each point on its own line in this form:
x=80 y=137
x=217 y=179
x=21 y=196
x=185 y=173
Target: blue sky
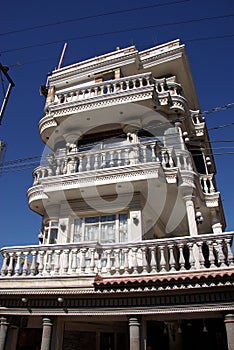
x=210 y=57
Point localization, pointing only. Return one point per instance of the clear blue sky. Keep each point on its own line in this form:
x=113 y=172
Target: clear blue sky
x=211 y=62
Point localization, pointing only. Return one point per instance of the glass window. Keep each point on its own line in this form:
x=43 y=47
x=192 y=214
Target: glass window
x=51 y=232
x=104 y=228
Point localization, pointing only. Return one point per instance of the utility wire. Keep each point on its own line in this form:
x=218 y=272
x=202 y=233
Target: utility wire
x=128 y=30
x=22 y=162
x=93 y=16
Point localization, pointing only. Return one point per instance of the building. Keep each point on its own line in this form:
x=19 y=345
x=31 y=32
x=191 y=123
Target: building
x=133 y=253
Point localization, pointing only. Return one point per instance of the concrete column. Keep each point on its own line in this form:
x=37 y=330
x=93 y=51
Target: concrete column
x=134 y=333
x=3 y=332
x=46 y=334
x=191 y=215
x=229 y=324
x=12 y=338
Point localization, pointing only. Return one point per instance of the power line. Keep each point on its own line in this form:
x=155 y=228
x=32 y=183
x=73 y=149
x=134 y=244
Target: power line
x=94 y=16
x=128 y=30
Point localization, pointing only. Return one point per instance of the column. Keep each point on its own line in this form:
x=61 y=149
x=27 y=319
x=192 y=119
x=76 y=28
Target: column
x=134 y=333
x=12 y=338
x=46 y=334
x=190 y=210
x=229 y=324
x=3 y=332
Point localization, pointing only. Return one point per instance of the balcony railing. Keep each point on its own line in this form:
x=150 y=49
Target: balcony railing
x=113 y=157
x=161 y=256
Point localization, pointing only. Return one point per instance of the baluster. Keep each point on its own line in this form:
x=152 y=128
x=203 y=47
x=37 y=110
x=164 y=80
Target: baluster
x=153 y=263
x=117 y=261
x=99 y=263
x=170 y=160
x=230 y=257
x=92 y=261
x=4 y=264
x=144 y=260
x=205 y=187
x=164 y=158
x=11 y=264
x=95 y=161
x=212 y=189
x=18 y=263
x=49 y=261
x=119 y=154
x=126 y=261
x=144 y=153
x=41 y=262
x=80 y=160
x=162 y=262
x=108 y=262
x=65 y=260
x=200 y=256
x=57 y=253
x=153 y=156
x=111 y=159
x=58 y=165
x=221 y=256
x=171 y=258
x=191 y=255
x=178 y=162
x=25 y=265
x=134 y=260
x=83 y=261
x=211 y=254
x=95 y=91
x=74 y=260
x=88 y=164
x=103 y=160
x=33 y=264
x=181 y=258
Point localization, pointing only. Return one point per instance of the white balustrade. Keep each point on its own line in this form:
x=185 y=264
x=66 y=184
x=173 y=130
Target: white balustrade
x=129 y=154
x=207 y=183
x=162 y=256
x=105 y=88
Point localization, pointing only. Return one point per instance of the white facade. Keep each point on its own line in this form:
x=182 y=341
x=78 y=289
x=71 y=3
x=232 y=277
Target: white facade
x=131 y=213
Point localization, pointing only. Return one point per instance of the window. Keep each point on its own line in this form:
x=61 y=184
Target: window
x=51 y=232
x=102 y=228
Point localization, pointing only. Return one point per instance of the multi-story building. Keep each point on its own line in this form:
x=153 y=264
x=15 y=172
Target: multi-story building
x=133 y=253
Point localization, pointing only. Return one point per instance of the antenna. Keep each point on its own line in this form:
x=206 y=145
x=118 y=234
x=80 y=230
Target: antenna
x=4 y=70
x=62 y=56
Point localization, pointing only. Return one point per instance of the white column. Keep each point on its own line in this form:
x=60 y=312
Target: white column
x=190 y=210
x=229 y=324
x=3 y=332
x=134 y=333
x=46 y=334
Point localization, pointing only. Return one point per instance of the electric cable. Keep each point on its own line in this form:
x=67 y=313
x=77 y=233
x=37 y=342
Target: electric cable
x=127 y=30
x=93 y=16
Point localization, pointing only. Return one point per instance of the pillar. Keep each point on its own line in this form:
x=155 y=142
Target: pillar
x=46 y=334
x=190 y=210
x=134 y=333
x=229 y=324
x=12 y=338
x=3 y=332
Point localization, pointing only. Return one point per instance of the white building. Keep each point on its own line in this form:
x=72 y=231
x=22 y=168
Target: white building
x=133 y=253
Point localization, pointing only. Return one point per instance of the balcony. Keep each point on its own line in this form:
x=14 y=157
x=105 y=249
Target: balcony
x=131 y=162
x=168 y=258
x=164 y=93
x=113 y=157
